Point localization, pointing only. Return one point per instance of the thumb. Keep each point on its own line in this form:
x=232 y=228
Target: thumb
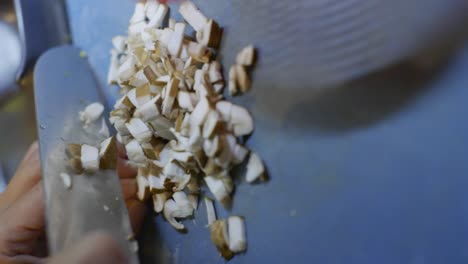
x=94 y=248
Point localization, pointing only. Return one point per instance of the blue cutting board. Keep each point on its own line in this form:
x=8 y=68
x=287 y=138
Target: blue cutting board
x=374 y=171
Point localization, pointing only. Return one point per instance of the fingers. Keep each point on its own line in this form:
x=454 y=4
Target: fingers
x=136 y=212
x=26 y=176
x=129 y=188
x=124 y=170
x=95 y=248
x=22 y=223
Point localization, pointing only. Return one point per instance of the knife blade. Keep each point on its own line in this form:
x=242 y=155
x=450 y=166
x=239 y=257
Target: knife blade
x=64 y=85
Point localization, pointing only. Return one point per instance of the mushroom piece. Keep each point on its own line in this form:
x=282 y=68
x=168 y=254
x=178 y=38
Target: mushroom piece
x=170 y=212
x=220 y=237
x=242 y=78
x=210 y=34
x=171 y=93
x=108 y=154
x=185 y=101
x=175 y=44
x=176 y=174
x=232 y=84
x=212 y=124
x=91 y=113
x=193 y=199
x=162 y=127
x=127 y=69
x=143 y=188
x=212 y=147
x=224 y=108
x=139 y=130
x=255 y=168
x=66 y=179
x=246 y=56
x=241 y=121
x=184 y=204
x=138 y=14
x=104 y=130
x=198 y=52
x=74 y=151
x=239 y=154
x=75 y=165
x=200 y=112
x=112 y=75
x=159 y=199
x=149 y=111
x=236 y=234
x=210 y=211
x=135 y=152
x=142 y=94
x=157 y=19
x=89 y=158
x=192 y=15
x=218 y=189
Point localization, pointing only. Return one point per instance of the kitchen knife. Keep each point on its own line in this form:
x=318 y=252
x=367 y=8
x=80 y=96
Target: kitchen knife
x=64 y=85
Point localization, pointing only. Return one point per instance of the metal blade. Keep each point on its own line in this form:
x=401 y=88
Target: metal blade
x=64 y=85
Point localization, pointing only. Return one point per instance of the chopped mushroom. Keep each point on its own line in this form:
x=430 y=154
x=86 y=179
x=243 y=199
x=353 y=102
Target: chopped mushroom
x=176 y=126
x=246 y=56
x=236 y=234
x=89 y=158
x=210 y=211
x=108 y=154
x=66 y=179
x=255 y=169
x=91 y=113
x=220 y=237
x=192 y=15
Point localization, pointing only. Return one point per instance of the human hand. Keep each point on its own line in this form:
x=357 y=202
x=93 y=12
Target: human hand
x=22 y=216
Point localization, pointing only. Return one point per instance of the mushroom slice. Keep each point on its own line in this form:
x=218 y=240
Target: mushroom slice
x=66 y=179
x=150 y=74
x=212 y=124
x=195 y=139
x=246 y=56
x=202 y=85
x=210 y=211
x=214 y=72
x=157 y=19
x=210 y=34
x=119 y=43
x=139 y=130
x=162 y=127
x=138 y=14
x=242 y=78
x=143 y=188
x=112 y=75
x=135 y=152
x=212 y=147
x=200 y=112
x=175 y=44
x=185 y=101
x=224 y=108
x=192 y=15
x=91 y=113
x=241 y=120
x=198 y=52
x=124 y=103
x=108 y=154
x=132 y=97
x=170 y=211
x=142 y=94
x=75 y=165
x=159 y=199
x=73 y=150
x=239 y=154
x=220 y=237
x=104 y=130
x=183 y=157
x=127 y=69
x=232 y=84
x=184 y=204
x=149 y=111
x=89 y=158
x=236 y=234
x=255 y=168
x=151 y=7
x=176 y=174
x=138 y=79
x=171 y=93
x=218 y=189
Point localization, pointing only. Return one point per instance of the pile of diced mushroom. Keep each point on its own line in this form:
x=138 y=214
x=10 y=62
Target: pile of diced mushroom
x=177 y=127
